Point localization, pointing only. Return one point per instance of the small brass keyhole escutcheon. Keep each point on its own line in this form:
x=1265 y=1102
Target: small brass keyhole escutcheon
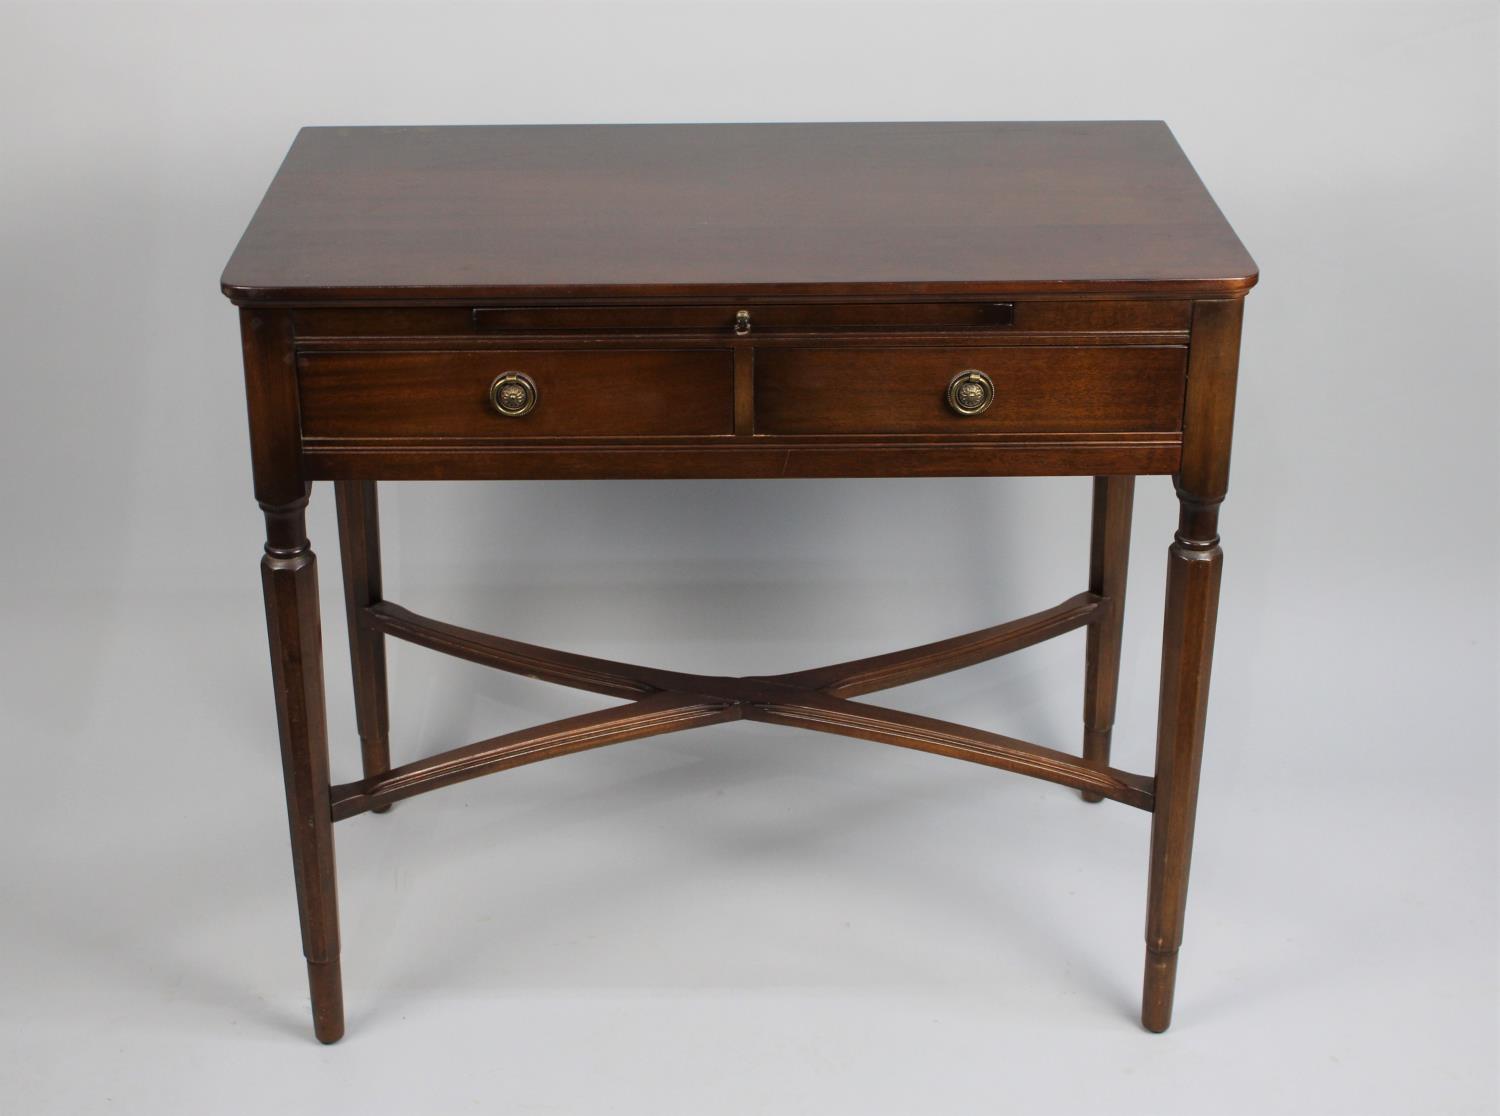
x=513 y=394
x=971 y=392
x=742 y=323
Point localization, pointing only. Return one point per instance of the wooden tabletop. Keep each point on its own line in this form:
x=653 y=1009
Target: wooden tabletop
x=687 y=211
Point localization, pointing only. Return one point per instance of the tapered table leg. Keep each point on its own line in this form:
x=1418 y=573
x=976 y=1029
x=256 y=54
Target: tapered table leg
x=359 y=547
x=1193 y=567
x=1194 y=563
x=289 y=574
x=1109 y=558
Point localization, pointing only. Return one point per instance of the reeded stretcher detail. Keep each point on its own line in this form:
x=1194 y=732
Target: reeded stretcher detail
x=663 y=701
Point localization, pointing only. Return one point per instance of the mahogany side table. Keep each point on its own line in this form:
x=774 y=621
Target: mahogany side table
x=766 y=300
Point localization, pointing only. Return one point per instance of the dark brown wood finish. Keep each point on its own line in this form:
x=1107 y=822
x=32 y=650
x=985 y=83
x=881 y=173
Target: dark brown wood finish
x=359 y=545
x=289 y=579
x=667 y=701
x=1194 y=564
x=737 y=301
x=289 y=575
x=1025 y=318
x=1079 y=390
x=1109 y=558
x=615 y=393
x=703 y=211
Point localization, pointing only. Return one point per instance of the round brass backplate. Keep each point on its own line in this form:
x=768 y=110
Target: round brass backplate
x=513 y=394
x=971 y=392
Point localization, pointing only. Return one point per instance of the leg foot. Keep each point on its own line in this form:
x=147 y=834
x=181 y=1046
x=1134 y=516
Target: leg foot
x=325 y=983
x=1156 y=997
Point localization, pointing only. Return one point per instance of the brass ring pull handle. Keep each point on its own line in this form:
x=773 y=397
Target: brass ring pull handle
x=971 y=392
x=513 y=394
x=742 y=324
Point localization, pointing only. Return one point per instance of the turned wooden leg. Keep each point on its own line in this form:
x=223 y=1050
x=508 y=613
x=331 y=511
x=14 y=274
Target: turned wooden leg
x=1194 y=562
x=359 y=546
x=289 y=574
x=1109 y=557
x=1193 y=565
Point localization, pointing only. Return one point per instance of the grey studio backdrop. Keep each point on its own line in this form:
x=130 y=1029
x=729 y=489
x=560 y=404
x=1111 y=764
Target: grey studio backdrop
x=745 y=919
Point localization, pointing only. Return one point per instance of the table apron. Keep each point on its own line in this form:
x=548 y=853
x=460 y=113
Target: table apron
x=754 y=457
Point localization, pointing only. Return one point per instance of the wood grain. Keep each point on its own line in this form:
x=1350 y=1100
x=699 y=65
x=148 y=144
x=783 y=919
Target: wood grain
x=1109 y=559
x=391 y=273
x=581 y=393
x=1195 y=563
x=669 y=701
x=856 y=390
x=703 y=210
x=359 y=546
x=289 y=577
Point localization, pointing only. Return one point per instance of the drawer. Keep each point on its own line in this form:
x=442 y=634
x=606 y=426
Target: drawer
x=626 y=393
x=1096 y=389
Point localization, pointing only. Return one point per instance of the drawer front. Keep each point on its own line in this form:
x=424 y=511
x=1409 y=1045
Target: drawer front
x=1098 y=389
x=615 y=393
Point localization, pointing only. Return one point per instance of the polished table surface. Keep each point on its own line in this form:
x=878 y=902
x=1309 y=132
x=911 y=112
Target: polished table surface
x=749 y=300
x=707 y=211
